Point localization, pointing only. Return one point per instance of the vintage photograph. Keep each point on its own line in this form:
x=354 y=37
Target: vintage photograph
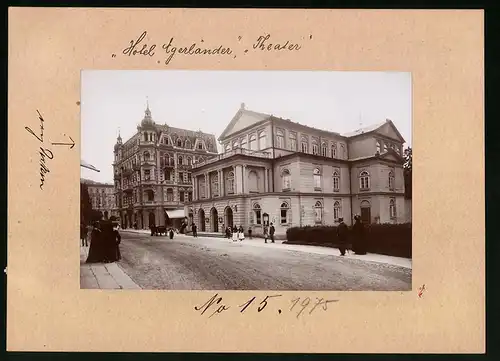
x=246 y=180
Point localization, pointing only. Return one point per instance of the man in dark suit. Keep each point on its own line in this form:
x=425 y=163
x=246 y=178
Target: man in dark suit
x=271 y=233
x=342 y=233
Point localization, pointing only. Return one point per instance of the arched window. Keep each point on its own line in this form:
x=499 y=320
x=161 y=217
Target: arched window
x=398 y=150
x=215 y=185
x=315 y=148
x=342 y=151
x=187 y=144
x=170 y=195
x=286 y=180
x=334 y=150
x=324 y=149
x=189 y=161
x=385 y=147
x=252 y=142
x=146 y=156
x=318 y=211
x=364 y=180
x=257 y=213
x=227 y=148
x=391 y=180
x=293 y=142
x=235 y=144
x=336 y=181
x=253 y=181
x=317 y=178
x=179 y=142
x=392 y=208
x=179 y=160
x=280 y=139
x=378 y=146
x=262 y=140
x=303 y=145
x=243 y=142
x=230 y=182
x=284 y=213
x=337 y=210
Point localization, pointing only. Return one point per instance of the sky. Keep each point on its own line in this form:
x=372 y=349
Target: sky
x=114 y=101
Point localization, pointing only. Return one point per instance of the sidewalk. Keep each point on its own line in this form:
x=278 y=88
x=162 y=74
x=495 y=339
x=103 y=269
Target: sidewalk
x=103 y=275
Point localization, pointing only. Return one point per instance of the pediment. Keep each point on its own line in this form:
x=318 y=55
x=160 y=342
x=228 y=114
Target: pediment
x=242 y=119
x=389 y=130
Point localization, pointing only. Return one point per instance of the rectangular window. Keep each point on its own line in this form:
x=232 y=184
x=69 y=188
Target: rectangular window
x=147 y=174
x=283 y=216
x=258 y=219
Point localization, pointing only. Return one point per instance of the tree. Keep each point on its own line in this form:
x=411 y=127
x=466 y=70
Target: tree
x=407 y=172
x=87 y=214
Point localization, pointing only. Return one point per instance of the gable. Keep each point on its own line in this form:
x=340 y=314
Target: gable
x=390 y=131
x=241 y=120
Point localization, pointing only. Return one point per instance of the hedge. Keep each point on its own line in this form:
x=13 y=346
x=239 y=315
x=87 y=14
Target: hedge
x=388 y=239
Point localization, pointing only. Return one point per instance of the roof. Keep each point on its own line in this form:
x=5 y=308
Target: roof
x=368 y=129
x=259 y=117
x=373 y=128
x=92 y=183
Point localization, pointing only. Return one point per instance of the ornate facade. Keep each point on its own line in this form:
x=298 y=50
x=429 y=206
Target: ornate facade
x=102 y=197
x=275 y=170
x=152 y=172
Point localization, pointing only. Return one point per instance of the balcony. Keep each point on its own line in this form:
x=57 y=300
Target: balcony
x=170 y=166
x=236 y=151
x=146 y=181
x=183 y=182
x=148 y=162
x=117 y=176
x=183 y=166
x=136 y=167
x=127 y=172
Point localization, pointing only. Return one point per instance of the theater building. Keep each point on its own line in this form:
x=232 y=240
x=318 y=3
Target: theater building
x=276 y=170
x=152 y=172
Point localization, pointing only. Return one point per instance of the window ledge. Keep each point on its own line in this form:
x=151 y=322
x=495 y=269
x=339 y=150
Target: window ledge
x=364 y=189
x=336 y=190
x=285 y=190
x=317 y=189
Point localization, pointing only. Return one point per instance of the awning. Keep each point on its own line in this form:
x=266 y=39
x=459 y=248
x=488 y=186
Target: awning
x=176 y=213
x=84 y=164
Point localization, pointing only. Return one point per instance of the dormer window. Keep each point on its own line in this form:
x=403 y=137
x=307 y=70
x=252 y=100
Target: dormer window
x=179 y=143
x=378 y=146
x=200 y=145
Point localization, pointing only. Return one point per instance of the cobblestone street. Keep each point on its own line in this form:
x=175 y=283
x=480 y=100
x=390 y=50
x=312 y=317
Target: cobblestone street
x=206 y=263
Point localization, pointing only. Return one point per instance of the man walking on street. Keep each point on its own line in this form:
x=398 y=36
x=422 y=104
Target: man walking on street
x=342 y=236
x=271 y=233
x=195 y=232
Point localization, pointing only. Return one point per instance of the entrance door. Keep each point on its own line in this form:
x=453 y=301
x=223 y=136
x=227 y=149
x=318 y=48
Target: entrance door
x=201 y=220
x=215 y=220
x=365 y=212
x=229 y=217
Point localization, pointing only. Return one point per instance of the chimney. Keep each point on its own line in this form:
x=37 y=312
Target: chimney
x=242 y=106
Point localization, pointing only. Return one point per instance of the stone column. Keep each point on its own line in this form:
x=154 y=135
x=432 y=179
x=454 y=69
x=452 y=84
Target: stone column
x=195 y=188
x=244 y=178
x=207 y=185
x=266 y=180
x=222 y=183
x=219 y=175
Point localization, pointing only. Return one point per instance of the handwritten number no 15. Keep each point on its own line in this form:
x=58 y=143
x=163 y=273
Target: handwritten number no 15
x=262 y=304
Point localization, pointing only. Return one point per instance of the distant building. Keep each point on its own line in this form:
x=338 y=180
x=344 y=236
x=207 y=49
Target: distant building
x=152 y=172
x=275 y=170
x=102 y=198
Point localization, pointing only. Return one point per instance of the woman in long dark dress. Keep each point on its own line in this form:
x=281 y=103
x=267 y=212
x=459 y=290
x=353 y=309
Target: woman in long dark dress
x=359 y=236
x=96 y=253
